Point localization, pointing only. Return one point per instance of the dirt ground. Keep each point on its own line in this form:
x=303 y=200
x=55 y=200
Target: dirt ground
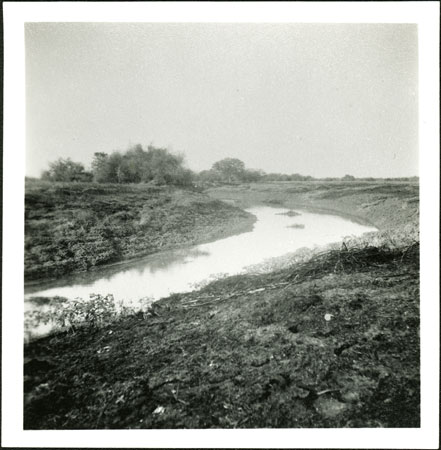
x=329 y=342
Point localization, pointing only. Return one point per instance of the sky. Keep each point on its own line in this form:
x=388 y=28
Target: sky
x=316 y=99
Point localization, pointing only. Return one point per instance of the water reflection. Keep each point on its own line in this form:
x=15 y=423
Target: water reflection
x=160 y=275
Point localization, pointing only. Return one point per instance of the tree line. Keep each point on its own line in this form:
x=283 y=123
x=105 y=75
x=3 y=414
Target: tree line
x=154 y=165
x=160 y=166
x=136 y=165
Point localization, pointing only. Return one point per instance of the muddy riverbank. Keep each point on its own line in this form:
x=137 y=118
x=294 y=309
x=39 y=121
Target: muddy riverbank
x=334 y=343
x=383 y=205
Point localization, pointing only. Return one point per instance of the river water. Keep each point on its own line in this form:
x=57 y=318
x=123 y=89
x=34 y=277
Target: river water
x=169 y=272
x=156 y=276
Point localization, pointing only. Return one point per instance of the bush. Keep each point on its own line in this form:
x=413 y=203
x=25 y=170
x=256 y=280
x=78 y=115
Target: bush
x=97 y=311
x=66 y=170
x=156 y=165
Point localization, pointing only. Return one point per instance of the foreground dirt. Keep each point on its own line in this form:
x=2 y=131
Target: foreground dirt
x=333 y=342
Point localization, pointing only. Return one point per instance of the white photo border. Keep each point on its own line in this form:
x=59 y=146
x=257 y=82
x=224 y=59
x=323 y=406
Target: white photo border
x=16 y=14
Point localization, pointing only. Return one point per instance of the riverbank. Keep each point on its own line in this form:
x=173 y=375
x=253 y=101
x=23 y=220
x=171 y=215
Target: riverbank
x=331 y=341
x=76 y=227
x=385 y=205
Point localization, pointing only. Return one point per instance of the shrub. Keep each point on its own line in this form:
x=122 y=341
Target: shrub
x=98 y=310
x=156 y=165
x=66 y=170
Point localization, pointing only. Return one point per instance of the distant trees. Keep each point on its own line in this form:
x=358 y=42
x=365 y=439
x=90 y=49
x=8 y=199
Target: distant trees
x=230 y=171
x=233 y=170
x=160 y=166
x=136 y=165
x=100 y=167
x=286 y=177
x=66 y=170
x=208 y=176
x=252 y=176
x=412 y=179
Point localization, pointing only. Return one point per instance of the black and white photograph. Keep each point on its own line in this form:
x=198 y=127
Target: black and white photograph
x=220 y=222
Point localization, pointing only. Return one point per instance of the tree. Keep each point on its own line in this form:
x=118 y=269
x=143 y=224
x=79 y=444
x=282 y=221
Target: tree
x=252 y=176
x=100 y=168
x=109 y=168
x=209 y=177
x=134 y=164
x=115 y=168
x=348 y=178
x=66 y=170
x=230 y=169
x=137 y=165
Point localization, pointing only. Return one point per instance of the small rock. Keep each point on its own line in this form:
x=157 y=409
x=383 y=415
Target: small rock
x=350 y=397
x=329 y=407
x=159 y=410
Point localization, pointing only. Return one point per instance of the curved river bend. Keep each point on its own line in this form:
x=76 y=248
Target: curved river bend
x=162 y=274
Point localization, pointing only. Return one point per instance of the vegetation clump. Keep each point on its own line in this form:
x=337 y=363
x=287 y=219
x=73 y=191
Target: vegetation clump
x=66 y=170
x=137 y=165
x=71 y=314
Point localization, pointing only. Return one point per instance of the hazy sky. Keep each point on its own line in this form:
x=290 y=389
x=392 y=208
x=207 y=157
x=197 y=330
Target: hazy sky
x=315 y=99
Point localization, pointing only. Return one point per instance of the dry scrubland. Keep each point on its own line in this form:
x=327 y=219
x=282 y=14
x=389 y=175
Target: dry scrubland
x=255 y=350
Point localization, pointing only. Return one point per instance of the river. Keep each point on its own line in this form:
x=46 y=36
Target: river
x=274 y=234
